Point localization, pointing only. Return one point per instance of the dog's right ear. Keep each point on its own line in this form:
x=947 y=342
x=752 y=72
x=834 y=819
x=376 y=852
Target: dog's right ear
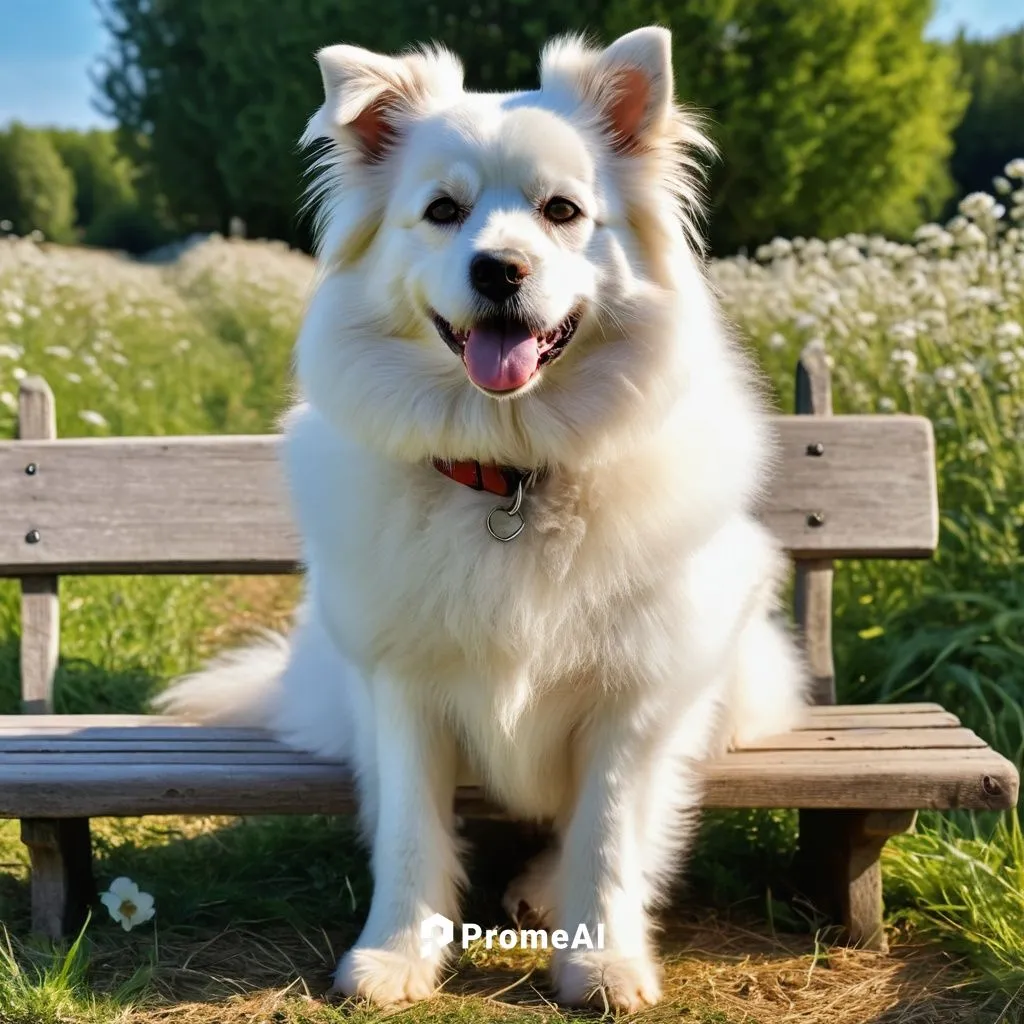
x=368 y=96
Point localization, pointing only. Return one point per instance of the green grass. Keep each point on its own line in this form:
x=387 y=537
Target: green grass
x=203 y=346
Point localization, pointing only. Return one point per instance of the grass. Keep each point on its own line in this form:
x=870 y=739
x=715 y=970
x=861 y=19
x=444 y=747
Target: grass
x=250 y=914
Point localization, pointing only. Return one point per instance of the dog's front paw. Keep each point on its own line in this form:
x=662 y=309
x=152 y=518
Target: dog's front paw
x=384 y=977
x=606 y=980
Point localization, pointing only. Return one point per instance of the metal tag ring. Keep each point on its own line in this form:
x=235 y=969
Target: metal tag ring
x=512 y=511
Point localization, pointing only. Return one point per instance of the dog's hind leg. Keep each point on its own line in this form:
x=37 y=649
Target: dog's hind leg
x=416 y=867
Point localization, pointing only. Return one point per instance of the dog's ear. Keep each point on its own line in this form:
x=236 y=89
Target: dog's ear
x=368 y=96
x=629 y=83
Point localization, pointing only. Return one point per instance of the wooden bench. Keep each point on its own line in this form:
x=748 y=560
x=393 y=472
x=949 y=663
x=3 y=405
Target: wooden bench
x=847 y=486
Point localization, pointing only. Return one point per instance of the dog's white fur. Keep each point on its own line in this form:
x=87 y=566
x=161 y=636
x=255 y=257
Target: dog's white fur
x=581 y=670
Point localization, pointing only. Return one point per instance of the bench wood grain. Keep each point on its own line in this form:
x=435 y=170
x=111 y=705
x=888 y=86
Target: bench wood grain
x=217 y=504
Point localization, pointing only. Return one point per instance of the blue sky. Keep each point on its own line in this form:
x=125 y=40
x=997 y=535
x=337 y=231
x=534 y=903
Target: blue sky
x=48 y=46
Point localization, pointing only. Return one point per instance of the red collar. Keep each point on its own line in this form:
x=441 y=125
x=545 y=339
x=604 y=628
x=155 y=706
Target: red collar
x=504 y=481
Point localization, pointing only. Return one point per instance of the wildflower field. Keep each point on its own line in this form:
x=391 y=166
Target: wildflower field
x=249 y=915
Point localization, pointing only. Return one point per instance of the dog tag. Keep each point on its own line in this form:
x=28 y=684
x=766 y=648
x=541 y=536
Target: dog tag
x=506 y=524
x=503 y=524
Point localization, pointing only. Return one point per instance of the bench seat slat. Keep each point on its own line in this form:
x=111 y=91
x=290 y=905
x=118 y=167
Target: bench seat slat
x=869 y=739
x=140 y=741
x=117 y=767
x=96 y=790
x=218 y=504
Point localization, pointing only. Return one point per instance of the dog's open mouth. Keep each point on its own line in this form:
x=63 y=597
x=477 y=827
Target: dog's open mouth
x=503 y=354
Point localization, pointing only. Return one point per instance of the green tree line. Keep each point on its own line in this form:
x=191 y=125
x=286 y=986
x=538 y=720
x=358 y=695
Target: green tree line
x=830 y=117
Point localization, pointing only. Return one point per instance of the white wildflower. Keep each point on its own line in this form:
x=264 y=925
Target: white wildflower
x=127 y=905
x=9 y=351
x=1008 y=332
x=903 y=333
x=182 y=345
x=977 y=205
x=58 y=351
x=945 y=375
x=73 y=378
x=776 y=341
x=904 y=357
x=972 y=237
x=14 y=319
x=976 y=446
x=7 y=399
x=1003 y=186
x=94 y=418
x=19 y=373
x=886 y=404
x=1015 y=168
x=146 y=384
x=6 y=225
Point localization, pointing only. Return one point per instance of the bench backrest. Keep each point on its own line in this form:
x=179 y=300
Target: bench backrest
x=844 y=487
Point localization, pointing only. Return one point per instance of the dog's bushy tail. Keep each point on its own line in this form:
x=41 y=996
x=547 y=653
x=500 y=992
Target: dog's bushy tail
x=240 y=687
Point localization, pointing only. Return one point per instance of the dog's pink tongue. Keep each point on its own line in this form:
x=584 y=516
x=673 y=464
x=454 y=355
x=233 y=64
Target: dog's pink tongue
x=501 y=358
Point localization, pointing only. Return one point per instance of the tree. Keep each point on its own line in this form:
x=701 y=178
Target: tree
x=992 y=131
x=830 y=117
x=104 y=178
x=37 y=192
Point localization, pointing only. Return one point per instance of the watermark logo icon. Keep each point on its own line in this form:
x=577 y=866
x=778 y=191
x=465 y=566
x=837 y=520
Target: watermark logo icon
x=436 y=932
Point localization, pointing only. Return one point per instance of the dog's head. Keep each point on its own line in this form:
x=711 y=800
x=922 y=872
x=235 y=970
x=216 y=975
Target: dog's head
x=501 y=274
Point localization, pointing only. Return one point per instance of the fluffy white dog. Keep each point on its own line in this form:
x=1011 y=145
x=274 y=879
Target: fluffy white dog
x=524 y=474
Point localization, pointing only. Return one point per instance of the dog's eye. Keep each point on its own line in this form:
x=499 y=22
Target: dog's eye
x=442 y=211
x=561 y=211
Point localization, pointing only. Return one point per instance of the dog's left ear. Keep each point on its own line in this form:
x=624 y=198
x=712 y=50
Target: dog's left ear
x=369 y=96
x=629 y=83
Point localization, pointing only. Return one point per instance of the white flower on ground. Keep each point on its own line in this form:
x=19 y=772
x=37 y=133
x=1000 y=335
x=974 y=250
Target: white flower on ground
x=886 y=404
x=127 y=905
x=776 y=341
x=7 y=399
x=15 y=319
x=945 y=375
x=58 y=351
x=1015 y=168
x=1002 y=185
x=10 y=352
x=93 y=417
x=976 y=446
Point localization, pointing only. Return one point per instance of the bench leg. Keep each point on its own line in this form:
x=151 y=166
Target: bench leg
x=62 y=884
x=840 y=871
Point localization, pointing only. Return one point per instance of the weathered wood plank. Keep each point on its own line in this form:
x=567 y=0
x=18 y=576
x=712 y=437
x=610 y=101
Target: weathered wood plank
x=200 y=741
x=862 y=720
x=828 y=740
x=812 y=585
x=973 y=779
x=218 y=503
x=824 y=712
x=160 y=729
x=40 y=604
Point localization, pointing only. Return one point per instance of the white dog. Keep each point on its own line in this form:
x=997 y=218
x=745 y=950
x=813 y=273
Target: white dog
x=524 y=474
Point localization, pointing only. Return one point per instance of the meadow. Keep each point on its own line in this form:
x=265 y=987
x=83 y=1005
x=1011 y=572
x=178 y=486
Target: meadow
x=250 y=914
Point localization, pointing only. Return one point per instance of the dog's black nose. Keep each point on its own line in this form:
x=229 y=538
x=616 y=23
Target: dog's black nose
x=498 y=275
